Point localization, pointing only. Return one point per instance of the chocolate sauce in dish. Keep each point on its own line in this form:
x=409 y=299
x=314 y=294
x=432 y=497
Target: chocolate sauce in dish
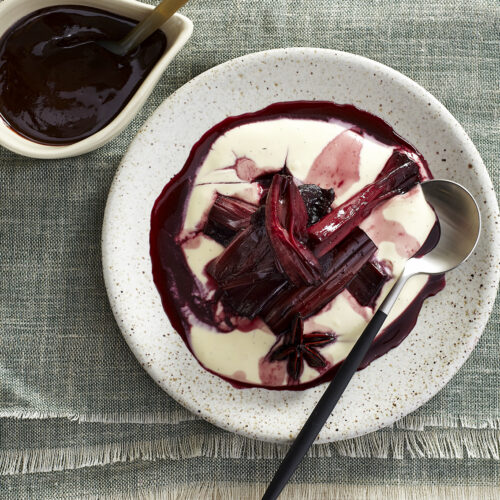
x=277 y=255
x=57 y=86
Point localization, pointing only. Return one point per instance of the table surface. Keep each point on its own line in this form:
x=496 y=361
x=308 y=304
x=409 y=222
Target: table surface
x=79 y=417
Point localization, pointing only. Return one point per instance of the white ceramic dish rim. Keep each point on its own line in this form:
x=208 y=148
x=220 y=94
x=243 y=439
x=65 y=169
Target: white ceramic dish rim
x=178 y=30
x=417 y=400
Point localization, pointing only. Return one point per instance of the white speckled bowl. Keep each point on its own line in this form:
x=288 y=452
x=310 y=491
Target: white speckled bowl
x=178 y=29
x=396 y=384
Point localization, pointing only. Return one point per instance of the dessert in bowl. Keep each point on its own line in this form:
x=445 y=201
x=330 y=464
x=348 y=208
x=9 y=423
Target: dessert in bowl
x=397 y=383
x=285 y=229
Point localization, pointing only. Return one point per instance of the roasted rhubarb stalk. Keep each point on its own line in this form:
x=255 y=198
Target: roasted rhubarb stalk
x=249 y=300
x=346 y=260
x=366 y=286
x=226 y=217
x=286 y=224
x=246 y=272
x=396 y=160
x=334 y=227
x=247 y=258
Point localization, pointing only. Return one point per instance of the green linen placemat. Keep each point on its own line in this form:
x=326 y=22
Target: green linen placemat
x=73 y=399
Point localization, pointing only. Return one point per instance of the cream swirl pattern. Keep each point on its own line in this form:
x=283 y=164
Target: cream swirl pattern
x=293 y=341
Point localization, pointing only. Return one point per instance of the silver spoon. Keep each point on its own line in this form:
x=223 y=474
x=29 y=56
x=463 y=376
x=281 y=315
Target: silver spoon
x=460 y=221
x=163 y=11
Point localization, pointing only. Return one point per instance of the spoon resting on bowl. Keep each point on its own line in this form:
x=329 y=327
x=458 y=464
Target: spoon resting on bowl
x=460 y=222
x=163 y=11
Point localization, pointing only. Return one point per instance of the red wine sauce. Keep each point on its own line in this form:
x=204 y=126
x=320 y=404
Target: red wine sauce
x=57 y=86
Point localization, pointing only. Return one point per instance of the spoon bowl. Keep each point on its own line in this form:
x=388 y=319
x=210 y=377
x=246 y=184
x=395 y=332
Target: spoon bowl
x=460 y=224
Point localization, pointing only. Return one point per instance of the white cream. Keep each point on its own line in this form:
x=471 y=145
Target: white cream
x=199 y=251
x=270 y=144
x=203 y=197
x=372 y=159
x=296 y=142
x=236 y=351
x=412 y=211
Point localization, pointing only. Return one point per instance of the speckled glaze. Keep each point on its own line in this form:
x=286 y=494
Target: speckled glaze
x=391 y=387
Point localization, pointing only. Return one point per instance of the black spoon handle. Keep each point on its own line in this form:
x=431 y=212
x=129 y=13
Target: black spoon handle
x=324 y=407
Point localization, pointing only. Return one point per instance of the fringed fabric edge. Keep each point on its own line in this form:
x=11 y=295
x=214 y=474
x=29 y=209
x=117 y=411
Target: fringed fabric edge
x=443 y=444
x=225 y=491
x=410 y=422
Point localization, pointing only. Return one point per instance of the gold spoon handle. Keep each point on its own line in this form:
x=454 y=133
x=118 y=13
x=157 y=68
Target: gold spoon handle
x=163 y=11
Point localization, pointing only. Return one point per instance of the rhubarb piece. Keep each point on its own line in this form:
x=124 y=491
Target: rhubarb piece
x=335 y=226
x=259 y=216
x=249 y=300
x=340 y=268
x=265 y=180
x=366 y=286
x=246 y=272
x=298 y=347
x=226 y=217
x=248 y=257
x=232 y=213
x=397 y=159
x=220 y=234
x=318 y=201
x=286 y=225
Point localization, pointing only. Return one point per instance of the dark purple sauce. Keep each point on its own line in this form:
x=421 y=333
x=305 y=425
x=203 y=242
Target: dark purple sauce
x=57 y=86
x=431 y=241
x=179 y=289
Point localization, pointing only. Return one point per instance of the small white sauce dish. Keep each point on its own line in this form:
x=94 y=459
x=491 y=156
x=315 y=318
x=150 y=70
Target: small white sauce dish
x=178 y=30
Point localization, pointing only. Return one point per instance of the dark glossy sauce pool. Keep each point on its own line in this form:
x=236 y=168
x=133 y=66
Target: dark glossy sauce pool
x=57 y=86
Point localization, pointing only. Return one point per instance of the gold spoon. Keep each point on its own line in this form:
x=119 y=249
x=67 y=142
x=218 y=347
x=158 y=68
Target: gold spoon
x=163 y=11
